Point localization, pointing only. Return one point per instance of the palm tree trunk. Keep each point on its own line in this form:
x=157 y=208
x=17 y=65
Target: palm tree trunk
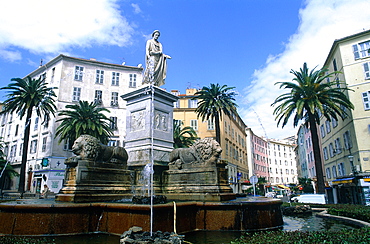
x=26 y=139
x=218 y=130
x=317 y=155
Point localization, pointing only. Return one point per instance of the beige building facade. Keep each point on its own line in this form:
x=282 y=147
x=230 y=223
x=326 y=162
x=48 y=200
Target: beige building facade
x=345 y=143
x=233 y=136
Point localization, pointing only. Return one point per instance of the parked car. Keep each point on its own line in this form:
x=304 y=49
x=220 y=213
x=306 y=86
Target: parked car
x=311 y=198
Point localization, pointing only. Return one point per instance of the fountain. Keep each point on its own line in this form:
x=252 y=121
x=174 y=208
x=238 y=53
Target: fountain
x=194 y=182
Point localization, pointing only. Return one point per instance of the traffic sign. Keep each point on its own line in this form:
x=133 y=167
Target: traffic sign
x=253 y=179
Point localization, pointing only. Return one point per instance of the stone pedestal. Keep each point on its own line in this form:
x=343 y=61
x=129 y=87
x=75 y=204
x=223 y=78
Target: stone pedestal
x=93 y=181
x=197 y=184
x=149 y=127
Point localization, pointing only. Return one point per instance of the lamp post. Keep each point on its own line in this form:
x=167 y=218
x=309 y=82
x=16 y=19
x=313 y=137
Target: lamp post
x=355 y=173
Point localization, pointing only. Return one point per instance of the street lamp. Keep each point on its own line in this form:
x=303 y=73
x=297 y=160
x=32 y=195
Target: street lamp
x=355 y=173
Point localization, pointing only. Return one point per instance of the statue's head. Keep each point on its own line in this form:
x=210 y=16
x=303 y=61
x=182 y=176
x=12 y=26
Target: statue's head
x=156 y=31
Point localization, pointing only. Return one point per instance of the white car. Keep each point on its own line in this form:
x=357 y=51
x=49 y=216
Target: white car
x=311 y=198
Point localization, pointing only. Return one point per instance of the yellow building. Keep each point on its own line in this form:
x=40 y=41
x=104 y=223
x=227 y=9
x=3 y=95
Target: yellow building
x=346 y=143
x=233 y=135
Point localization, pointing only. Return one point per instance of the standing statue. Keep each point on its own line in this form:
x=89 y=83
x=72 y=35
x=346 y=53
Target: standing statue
x=156 y=64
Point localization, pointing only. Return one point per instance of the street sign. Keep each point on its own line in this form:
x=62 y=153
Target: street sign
x=253 y=180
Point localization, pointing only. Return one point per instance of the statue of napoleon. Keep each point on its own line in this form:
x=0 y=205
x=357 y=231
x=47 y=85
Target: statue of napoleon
x=156 y=64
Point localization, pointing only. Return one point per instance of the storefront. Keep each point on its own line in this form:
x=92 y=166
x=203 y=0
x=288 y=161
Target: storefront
x=352 y=190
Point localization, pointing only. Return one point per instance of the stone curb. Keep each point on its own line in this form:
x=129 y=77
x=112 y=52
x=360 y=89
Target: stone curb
x=357 y=222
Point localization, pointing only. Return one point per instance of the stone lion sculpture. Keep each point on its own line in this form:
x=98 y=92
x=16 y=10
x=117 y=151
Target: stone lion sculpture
x=87 y=147
x=204 y=152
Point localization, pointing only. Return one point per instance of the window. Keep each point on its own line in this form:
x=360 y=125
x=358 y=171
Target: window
x=33 y=146
x=335 y=65
x=99 y=76
x=98 y=97
x=52 y=74
x=76 y=94
x=113 y=123
x=46 y=123
x=193 y=103
x=334 y=170
x=227 y=148
x=114 y=99
x=328 y=175
x=338 y=146
x=347 y=140
x=16 y=130
x=292 y=171
x=13 y=150
x=194 y=124
x=66 y=145
x=322 y=130
x=328 y=128
x=79 y=73
x=366 y=100
x=331 y=150
x=341 y=169
x=367 y=71
x=132 y=82
x=36 y=123
x=287 y=171
x=326 y=157
x=361 y=50
x=210 y=125
x=113 y=143
x=21 y=150
x=115 y=79
x=225 y=127
x=334 y=122
x=44 y=144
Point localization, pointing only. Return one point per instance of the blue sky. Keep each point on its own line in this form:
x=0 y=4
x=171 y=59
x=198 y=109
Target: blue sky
x=247 y=44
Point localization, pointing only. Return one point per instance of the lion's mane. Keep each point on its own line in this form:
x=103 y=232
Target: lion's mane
x=204 y=152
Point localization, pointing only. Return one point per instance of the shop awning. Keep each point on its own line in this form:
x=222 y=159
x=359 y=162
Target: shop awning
x=343 y=181
x=284 y=187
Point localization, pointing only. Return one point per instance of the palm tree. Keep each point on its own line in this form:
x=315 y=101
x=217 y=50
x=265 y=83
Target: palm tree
x=24 y=96
x=213 y=101
x=84 y=118
x=310 y=96
x=183 y=136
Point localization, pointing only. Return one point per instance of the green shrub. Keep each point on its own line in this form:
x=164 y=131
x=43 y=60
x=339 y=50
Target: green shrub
x=352 y=211
x=358 y=236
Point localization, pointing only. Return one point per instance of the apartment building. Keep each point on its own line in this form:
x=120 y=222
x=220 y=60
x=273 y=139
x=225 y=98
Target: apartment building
x=258 y=158
x=75 y=79
x=233 y=137
x=282 y=162
x=345 y=143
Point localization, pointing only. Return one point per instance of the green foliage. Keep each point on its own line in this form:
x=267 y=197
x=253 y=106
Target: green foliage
x=23 y=97
x=27 y=94
x=311 y=95
x=84 y=118
x=183 y=136
x=352 y=211
x=212 y=101
x=359 y=236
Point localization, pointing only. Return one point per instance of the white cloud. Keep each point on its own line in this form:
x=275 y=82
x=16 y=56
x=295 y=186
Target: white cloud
x=10 y=55
x=321 y=22
x=52 y=26
x=136 y=7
